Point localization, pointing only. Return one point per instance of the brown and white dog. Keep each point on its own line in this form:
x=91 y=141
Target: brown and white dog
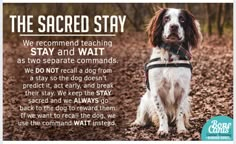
x=167 y=99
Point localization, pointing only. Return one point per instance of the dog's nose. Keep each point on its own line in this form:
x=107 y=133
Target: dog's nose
x=174 y=28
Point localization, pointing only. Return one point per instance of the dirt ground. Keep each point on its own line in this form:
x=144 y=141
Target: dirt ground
x=211 y=92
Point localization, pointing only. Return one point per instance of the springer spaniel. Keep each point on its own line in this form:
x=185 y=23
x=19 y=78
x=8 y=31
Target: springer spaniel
x=168 y=83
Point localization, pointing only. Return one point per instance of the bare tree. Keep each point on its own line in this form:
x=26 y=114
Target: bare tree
x=151 y=8
x=221 y=12
x=26 y=9
x=186 y=6
x=135 y=14
x=164 y=5
x=209 y=19
x=127 y=15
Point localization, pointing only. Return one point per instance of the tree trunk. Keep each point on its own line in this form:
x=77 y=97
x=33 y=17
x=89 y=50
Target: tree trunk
x=186 y=6
x=151 y=9
x=26 y=9
x=209 y=19
x=164 y=5
x=129 y=17
x=220 y=19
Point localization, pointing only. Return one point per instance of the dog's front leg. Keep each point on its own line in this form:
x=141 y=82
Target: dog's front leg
x=141 y=117
x=180 y=117
x=163 y=126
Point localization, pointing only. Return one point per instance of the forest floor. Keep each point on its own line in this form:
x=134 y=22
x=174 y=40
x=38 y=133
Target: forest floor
x=211 y=92
x=211 y=87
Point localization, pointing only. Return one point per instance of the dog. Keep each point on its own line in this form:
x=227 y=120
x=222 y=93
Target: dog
x=166 y=100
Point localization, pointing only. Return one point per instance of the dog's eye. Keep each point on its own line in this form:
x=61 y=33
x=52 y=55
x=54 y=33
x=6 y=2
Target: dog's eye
x=181 y=19
x=166 y=19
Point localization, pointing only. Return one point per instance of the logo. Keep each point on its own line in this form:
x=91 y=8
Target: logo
x=219 y=128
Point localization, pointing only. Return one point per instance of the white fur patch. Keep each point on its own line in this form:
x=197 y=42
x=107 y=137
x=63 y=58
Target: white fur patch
x=174 y=20
x=167 y=99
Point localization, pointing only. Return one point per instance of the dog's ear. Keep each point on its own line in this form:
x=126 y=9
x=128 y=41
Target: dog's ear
x=193 y=32
x=155 y=28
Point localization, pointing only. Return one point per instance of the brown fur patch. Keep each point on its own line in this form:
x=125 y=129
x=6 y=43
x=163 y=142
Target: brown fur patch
x=192 y=34
x=155 y=28
x=178 y=93
x=163 y=91
x=155 y=120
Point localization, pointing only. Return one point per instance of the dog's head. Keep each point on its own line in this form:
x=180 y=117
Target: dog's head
x=174 y=26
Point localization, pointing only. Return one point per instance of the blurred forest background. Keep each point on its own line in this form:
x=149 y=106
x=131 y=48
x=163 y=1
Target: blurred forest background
x=214 y=18
x=212 y=76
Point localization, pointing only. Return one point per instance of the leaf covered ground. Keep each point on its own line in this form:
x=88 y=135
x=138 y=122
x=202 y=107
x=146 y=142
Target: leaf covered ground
x=211 y=92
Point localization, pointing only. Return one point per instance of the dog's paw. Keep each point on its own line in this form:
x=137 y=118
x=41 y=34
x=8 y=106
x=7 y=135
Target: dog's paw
x=162 y=132
x=137 y=123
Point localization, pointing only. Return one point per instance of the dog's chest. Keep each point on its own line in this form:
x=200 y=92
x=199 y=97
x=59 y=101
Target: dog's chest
x=170 y=75
x=170 y=83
